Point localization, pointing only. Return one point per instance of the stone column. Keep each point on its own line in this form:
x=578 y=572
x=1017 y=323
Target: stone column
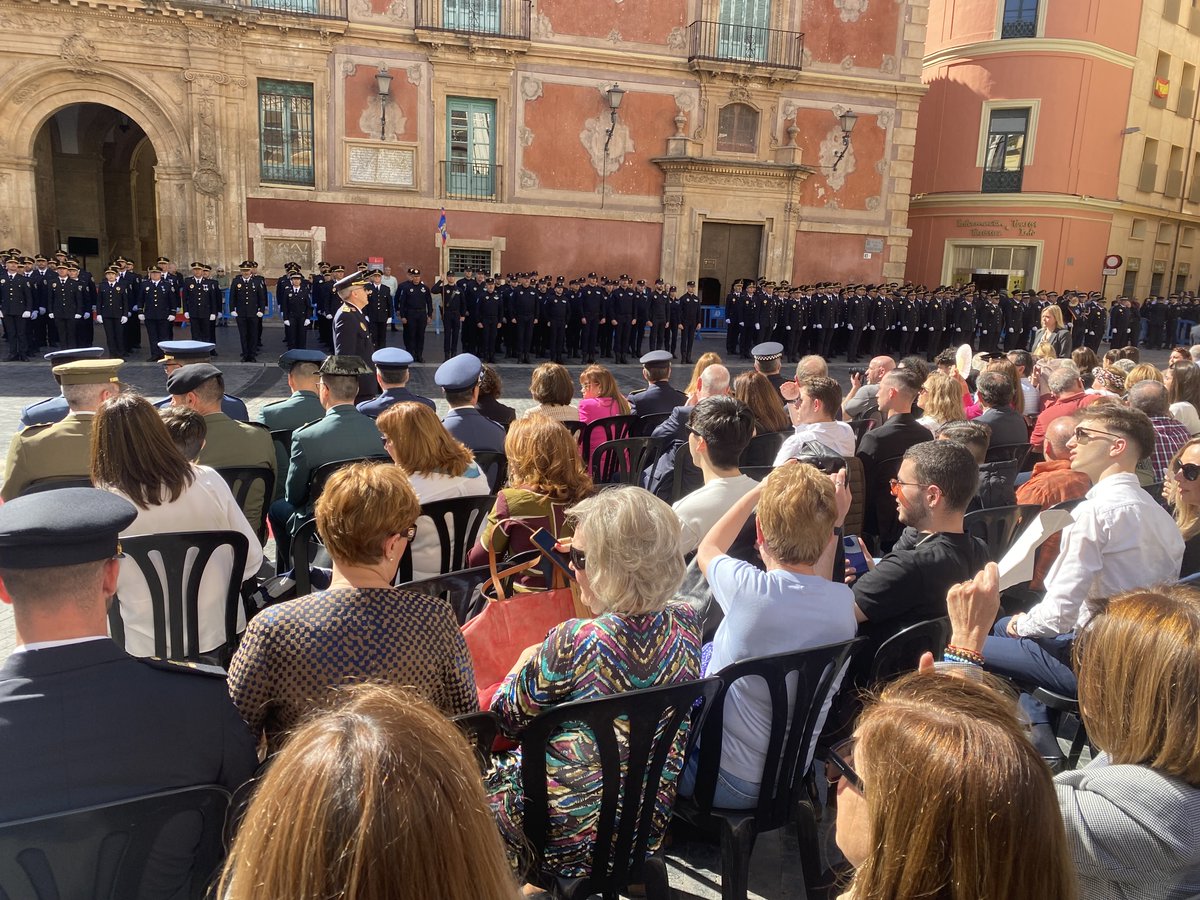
x=18 y=203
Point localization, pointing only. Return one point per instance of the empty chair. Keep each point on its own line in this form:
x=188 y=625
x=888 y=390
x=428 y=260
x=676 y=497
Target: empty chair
x=116 y=850
x=622 y=461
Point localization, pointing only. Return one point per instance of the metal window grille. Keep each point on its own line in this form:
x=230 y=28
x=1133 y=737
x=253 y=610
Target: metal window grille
x=1020 y=19
x=478 y=260
x=737 y=129
x=285 y=119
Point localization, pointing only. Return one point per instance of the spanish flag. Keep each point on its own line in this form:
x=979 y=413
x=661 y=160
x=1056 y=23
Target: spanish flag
x=1162 y=87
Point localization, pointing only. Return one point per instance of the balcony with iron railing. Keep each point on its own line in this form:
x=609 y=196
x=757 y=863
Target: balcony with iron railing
x=718 y=45
x=475 y=18
x=1004 y=181
x=462 y=179
x=307 y=9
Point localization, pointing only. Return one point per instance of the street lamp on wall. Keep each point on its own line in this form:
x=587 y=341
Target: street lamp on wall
x=847 y=120
x=615 y=95
x=383 y=83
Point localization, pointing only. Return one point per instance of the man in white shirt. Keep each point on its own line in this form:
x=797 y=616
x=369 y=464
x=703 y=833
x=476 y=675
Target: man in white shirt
x=813 y=415
x=719 y=428
x=1120 y=539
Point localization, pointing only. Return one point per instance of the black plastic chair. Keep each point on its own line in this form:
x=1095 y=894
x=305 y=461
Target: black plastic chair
x=495 y=467
x=1008 y=452
x=304 y=540
x=104 y=852
x=458 y=523
x=680 y=486
x=758 y=473
x=321 y=474
x=176 y=592
x=480 y=729
x=574 y=426
x=651 y=720
x=647 y=424
x=996 y=527
x=53 y=484
x=902 y=651
x=612 y=428
x=622 y=461
x=799 y=684
x=240 y=481
x=1068 y=709
x=459 y=588
x=1026 y=513
x=860 y=427
x=762 y=449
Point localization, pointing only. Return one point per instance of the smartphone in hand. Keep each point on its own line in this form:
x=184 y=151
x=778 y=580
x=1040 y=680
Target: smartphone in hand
x=547 y=543
x=856 y=559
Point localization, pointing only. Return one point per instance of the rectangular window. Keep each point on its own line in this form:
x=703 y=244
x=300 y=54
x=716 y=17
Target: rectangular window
x=1020 y=19
x=471 y=170
x=1174 y=185
x=475 y=16
x=1185 y=105
x=462 y=259
x=285 y=130
x=1004 y=160
x=1187 y=236
x=1129 y=285
x=1171 y=11
x=1137 y=230
x=1148 y=174
x=743 y=31
x=1160 y=86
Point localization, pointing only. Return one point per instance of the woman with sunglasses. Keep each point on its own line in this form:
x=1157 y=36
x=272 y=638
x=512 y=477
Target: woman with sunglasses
x=941 y=795
x=1182 y=491
x=295 y=654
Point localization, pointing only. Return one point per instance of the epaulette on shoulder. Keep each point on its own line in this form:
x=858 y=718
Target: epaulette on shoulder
x=30 y=430
x=638 y=391
x=181 y=666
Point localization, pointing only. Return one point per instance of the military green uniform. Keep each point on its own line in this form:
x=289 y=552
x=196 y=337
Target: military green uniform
x=59 y=449
x=237 y=444
x=344 y=433
x=287 y=415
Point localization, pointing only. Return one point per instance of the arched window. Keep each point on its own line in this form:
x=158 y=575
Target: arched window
x=737 y=129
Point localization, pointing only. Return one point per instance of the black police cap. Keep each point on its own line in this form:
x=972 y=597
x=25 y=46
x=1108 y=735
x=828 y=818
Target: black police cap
x=67 y=527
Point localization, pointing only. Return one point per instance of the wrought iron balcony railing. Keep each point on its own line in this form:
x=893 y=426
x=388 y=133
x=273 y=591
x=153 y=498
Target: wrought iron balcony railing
x=723 y=42
x=497 y=18
x=463 y=179
x=1002 y=182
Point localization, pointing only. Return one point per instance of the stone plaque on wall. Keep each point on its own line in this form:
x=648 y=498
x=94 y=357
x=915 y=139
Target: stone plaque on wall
x=390 y=166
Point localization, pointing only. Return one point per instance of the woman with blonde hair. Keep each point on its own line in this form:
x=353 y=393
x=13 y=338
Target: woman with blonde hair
x=626 y=558
x=376 y=799
x=756 y=391
x=550 y=385
x=1142 y=372
x=545 y=476
x=1182 y=492
x=940 y=794
x=1183 y=393
x=942 y=401
x=438 y=468
x=1052 y=332
x=296 y=654
x=693 y=386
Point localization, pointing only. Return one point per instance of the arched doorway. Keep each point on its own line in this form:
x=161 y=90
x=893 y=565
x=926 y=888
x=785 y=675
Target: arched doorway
x=96 y=186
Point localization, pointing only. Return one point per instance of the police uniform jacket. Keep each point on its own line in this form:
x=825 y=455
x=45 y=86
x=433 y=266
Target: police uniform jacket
x=689 y=310
x=296 y=302
x=200 y=298
x=154 y=299
x=474 y=430
x=65 y=300
x=39 y=286
x=343 y=433
x=86 y=723
x=238 y=444
x=376 y=405
x=379 y=303
x=114 y=300
x=556 y=309
x=16 y=295
x=591 y=303
x=414 y=300
x=489 y=308
x=351 y=333
x=48 y=451
x=658 y=398
x=247 y=295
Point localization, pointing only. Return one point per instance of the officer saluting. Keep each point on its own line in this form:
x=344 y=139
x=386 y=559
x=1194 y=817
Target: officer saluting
x=351 y=331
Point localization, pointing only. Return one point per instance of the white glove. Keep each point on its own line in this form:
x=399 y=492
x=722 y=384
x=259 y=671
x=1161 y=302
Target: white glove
x=287 y=322
x=87 y=315
x=33 y=315
x=187 y=315
x=329 y=315
x=818 y=325
x=52 y=315
x=233 y=313
x=757 y=326
x=41 y=310
x=213 y=317
x=788 y=328
x=124 y=319
x=26 y=314
x=728 y=322
x=905 y=328
x=99 y=319
x=260 y=315
x=78 y=316
x=848 y=325
x=141 y=317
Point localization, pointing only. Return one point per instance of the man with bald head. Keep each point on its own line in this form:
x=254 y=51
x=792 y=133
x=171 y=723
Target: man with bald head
x=673 y=433
x=864 y=396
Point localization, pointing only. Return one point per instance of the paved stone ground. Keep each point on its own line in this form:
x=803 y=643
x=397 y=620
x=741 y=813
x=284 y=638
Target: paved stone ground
x=694 y=865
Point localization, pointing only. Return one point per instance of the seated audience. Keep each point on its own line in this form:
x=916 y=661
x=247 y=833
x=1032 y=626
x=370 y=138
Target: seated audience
x=625 y=554
x=491 y=386
x=1182 y=491
x=1022 y=361
x=996 y=397
x=941 y=400
x=134 y=457
x=1105 y=382
x=1150 y=397
x=813 y=412
x=1063 y=395
x=764 y=401
x=897 y=392
x=1119 y=539
x=1142 y=372
x=768 y=361
x=601 y=400
x=460 y=379
x=864 y=392
x=416 y=822
x=1086 y=362
x=550 y=385
x=693 y=385
x=791 y=606
x=658 y=396
x=1194 y=353
x=438 y=468
x=996 y=479
x=295 y=654
x=719 y=428
x=545 y=476
x=1183 y=393
x=1129 y=813
x=298 y=409
x=936 y=483
x=810 y=366
x=939 y=794
x=672 y=435
x=392 y=372
x=1179 y=355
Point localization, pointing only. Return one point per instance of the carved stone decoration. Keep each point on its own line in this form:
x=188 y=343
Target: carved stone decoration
x=831 y=146
x=206 y=82
x=873 y=202
x=23 y=95
x=531 y=89
x=80 y=54
x=541 y=27
x=851 y=9
x=677 y=38
x=529 y=180
x=888 y=66
x=772 y=118
x=680 y=125
x=206 y=116
x=593 y=136
x=349 y=68
x=698 y=133
x=685 y=101
x=847 y=63
x=372 y=117
x=208 y=181
x=884 y=118
x=673 y=203
x=614 y=36
x=739 y=94
x=881 y=167
x=397 y=10
x=525 y=135
x=416 y=75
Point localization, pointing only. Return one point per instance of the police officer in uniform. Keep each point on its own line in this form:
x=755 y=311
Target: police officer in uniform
x=658 y=396
x=489 y=315
x=657 y=315
x=392 y=372
x=295 y=306
x=621 y=311
x=64 y=306
x=155 y=309
x=689 y=321
x=592 y=302
x=62 y=449
x=325 y=303
x=459 y=380
x=200 y=304
x=177 y=354
x=247 y=303
x=453 y=313
x=380 y=307
x=16 y=304
x=301 y=408
x=52 y=409
x=415 y=305
x=82 y=722
x=555 y=312
x=523 y=316
x=351 y=333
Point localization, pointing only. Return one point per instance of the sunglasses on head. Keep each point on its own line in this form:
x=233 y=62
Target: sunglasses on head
x=1189 y=471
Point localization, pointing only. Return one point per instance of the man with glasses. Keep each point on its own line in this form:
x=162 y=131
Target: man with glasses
x=1119 y=539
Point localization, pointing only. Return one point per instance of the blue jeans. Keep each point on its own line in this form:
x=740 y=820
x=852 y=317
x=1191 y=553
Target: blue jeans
x=1043 y=662
x=731 y=793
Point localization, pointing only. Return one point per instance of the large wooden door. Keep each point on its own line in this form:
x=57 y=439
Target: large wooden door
x=728 y=252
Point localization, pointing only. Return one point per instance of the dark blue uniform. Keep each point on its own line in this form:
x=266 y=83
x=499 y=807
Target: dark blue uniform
x=391 y=396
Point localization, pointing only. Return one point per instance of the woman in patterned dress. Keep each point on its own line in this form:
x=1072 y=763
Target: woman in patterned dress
x=625 y=553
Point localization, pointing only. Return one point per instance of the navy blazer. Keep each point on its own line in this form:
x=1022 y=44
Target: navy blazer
x=656 y=399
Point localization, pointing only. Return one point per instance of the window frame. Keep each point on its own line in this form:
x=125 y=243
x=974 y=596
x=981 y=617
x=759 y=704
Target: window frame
x=752 y=149
x=1008 y=140
x=480 y=176
x=287 y=92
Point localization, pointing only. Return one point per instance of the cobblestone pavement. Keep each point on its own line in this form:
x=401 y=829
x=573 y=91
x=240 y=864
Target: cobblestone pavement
x=694 y=866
